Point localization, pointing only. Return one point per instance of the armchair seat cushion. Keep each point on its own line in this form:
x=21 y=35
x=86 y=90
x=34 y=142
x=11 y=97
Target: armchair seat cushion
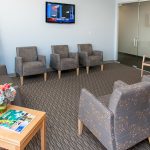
x=68 y=63
x=94 y=60
x=32 y=68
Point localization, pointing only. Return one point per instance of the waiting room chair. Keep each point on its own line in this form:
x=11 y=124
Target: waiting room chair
x=61 y=59
x=28 y=62
x=4 y=78
x=120 y=120
x=144 y=63
x=89 y=57
x=3 y=70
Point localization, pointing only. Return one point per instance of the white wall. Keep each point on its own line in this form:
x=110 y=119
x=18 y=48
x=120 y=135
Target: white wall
x=22 y=23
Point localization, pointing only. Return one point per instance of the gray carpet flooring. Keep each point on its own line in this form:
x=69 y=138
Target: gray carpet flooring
x=60 y=100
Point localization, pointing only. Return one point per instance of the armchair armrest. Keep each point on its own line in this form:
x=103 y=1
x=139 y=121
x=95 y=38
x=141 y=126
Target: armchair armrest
x=19 y=65
x=19 y=99
x=42 y=59
x=97 y=118
x=3 y=70
x=83 y=57
x=55 y=61
x=98 y=53
x=118 y=84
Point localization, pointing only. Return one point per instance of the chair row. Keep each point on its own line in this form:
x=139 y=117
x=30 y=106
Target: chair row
x=28 y=62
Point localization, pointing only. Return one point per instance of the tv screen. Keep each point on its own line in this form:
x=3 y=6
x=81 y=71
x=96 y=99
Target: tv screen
x=60 y=13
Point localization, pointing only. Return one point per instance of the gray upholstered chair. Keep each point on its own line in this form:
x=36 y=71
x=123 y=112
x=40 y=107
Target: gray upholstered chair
x=3 y=70
x=28 y=62
x=119 y=120
x=4 y=78
x=89 y=57
x=61 y=59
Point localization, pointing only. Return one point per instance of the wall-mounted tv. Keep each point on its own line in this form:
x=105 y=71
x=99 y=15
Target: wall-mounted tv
x=60 y=13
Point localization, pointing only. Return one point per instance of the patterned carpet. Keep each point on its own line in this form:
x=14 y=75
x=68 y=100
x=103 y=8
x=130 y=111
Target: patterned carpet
x=60 y=100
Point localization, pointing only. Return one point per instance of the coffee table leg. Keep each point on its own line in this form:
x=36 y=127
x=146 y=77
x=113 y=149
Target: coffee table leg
x=43 y=142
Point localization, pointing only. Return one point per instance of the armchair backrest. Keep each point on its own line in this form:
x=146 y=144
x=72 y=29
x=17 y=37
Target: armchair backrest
x=85 y=48
x=27 y=53
x=62 y=50
x=131 y=108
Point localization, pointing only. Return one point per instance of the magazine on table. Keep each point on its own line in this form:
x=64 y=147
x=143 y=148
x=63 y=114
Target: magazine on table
x=15 y=120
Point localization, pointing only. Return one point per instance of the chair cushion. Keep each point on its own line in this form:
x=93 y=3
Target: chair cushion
x=62 y=50
x=31 y=68
x=94 y=60
x=27 y=53
x=68 y=63
x=86 y=48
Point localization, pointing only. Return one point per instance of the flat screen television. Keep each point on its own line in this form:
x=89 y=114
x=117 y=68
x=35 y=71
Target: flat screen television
x=60 y=13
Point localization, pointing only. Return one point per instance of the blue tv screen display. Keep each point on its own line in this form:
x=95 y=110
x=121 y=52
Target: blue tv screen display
x=60 y=13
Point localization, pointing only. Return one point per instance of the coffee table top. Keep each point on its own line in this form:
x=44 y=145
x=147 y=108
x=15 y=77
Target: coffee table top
x=20 y=138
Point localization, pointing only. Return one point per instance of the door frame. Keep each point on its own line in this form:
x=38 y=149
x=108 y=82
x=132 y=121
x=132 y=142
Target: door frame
x=118 y=3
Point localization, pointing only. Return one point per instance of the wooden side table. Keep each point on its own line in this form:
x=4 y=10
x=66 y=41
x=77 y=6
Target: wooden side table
x=18 y=141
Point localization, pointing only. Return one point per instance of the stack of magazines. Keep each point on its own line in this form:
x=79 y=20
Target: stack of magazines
x=15 y=120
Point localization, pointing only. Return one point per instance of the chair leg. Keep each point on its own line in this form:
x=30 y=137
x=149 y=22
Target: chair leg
x=87 y=70
x=80 y=127
x=21 y=79
x=45 y=76
x=102 y=67
x=149 y=139
x=77 y=71
x=142 y=70
x=59 y=74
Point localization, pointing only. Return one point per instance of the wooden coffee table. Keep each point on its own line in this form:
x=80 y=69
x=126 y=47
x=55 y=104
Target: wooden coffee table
x=18 y=141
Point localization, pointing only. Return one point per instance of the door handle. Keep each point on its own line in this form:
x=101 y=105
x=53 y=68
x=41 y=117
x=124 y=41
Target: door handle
x=134 y=42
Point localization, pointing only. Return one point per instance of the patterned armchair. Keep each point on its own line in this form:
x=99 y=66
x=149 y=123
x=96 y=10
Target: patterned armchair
x=119 y=120
x=62 y=59
x=28 y=62
x=89 y=57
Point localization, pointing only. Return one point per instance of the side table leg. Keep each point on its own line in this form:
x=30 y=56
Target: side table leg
x=43 y=142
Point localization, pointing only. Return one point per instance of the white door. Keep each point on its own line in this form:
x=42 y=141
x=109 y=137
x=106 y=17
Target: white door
x=128 y=28
x=144 y=29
